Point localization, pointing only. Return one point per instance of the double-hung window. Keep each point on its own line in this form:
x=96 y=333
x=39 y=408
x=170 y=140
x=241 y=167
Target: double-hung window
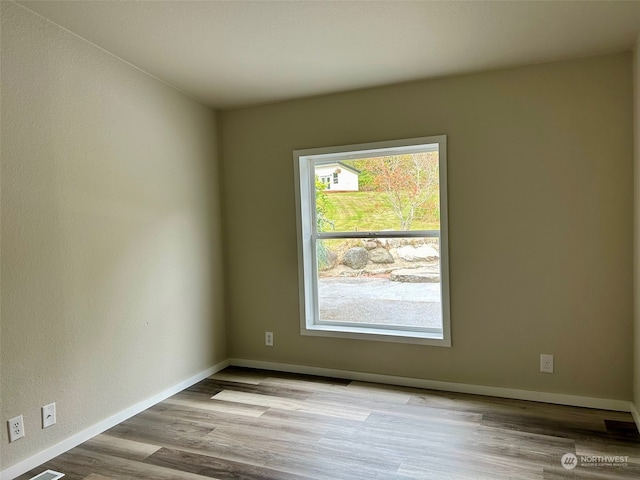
x=373 y=262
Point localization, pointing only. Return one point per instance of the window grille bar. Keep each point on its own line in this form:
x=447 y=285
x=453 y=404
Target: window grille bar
x=380 y=234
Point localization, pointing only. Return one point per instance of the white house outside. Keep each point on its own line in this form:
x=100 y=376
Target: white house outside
x=338 y=176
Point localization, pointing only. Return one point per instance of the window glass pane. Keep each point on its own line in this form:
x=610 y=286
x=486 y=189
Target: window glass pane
x=393 y=192
x=391 y=282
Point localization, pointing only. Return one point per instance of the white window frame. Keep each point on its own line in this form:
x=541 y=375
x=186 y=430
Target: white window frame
x=304 y=166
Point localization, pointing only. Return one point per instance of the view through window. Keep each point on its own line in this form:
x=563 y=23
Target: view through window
x=373 y=247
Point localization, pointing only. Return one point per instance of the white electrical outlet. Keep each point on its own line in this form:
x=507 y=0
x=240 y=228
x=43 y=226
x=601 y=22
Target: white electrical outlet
x=546 y=363
x=268 y=339
x=48 y=415
x=16 y=428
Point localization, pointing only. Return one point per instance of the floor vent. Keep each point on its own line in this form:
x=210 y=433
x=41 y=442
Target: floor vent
x=48 y=475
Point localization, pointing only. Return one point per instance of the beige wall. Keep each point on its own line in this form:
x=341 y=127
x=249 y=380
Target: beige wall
x=111 y=251
x=540 y=207
x=636 y=130
x=111 y=278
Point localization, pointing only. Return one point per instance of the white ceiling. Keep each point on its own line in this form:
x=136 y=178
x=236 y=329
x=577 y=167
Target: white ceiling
x=235 y=53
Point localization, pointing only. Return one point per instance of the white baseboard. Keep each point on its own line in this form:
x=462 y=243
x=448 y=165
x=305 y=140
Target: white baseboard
x=80 y=437
x=546 y=397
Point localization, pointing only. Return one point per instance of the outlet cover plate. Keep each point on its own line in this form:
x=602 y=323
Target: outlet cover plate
x=546 y=363
x=16 y=428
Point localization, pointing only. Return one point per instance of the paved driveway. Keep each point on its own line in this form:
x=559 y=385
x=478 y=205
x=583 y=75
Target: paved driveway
x=379 y=301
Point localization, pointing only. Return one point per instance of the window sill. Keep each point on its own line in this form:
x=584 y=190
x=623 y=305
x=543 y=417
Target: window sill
x=378 y=334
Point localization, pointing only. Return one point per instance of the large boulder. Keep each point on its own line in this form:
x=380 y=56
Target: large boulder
x=355 y=258
x=390 y=242
x=380 y=255
x=369 y=244
x=328 y=260
x=423 y=253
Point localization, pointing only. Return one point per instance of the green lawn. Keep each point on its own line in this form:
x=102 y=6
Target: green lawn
x=361 y=211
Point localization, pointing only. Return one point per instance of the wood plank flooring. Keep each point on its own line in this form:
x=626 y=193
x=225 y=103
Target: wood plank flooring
x=244 y=424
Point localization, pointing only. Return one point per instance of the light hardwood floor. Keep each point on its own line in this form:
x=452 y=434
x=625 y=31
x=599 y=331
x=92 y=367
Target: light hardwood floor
x=254 y=424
